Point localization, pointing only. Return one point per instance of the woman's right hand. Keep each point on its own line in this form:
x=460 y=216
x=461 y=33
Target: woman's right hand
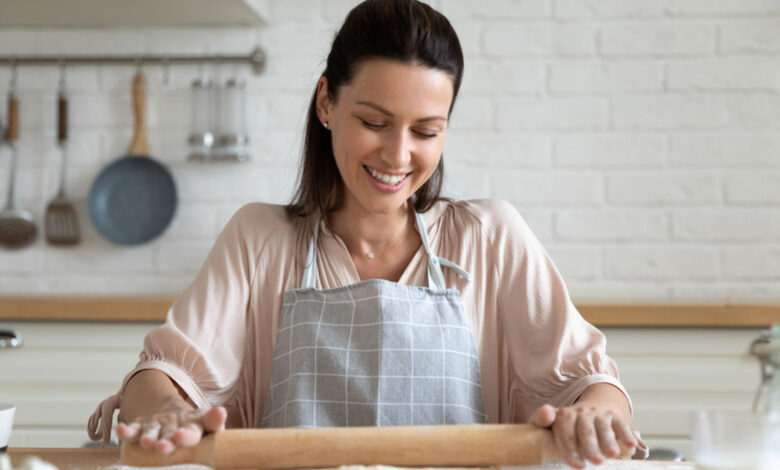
x=167 y=430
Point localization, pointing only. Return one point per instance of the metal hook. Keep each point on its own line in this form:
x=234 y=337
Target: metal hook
x=166 y=62
x=14 y=76
x=62 y=72
x=217 y=71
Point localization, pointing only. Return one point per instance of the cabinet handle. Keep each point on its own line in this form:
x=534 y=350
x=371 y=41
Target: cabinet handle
x=10 y=339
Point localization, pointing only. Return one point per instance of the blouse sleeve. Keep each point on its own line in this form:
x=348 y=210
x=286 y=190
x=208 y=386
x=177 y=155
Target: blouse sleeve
x=200 y=344
x=553 y=353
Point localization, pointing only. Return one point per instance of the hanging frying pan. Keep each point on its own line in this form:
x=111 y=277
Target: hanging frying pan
x=133 y=199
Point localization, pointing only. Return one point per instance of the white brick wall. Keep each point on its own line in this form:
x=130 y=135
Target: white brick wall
x=639 y=138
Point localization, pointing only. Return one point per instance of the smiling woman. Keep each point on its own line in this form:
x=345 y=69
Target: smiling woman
x=370 y=300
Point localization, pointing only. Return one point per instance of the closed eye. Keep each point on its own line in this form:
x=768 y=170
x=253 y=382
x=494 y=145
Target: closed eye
x=425 y=135
x=371 y=125
x=375 y=126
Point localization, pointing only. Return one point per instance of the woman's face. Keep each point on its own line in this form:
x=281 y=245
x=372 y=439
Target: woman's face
x=388 y=129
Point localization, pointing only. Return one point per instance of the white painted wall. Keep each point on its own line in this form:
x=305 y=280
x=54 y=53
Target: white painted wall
x=641 y=140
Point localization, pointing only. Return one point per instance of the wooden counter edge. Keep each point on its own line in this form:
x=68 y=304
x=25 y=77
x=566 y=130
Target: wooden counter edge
x=80 y=458
x=154 y=309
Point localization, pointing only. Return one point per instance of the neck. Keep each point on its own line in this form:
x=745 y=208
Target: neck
x=368 y=234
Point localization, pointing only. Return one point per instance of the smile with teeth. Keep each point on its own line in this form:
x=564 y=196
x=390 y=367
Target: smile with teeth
x=392 y=180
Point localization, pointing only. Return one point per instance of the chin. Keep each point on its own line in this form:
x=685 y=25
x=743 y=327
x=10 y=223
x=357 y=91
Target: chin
x=385 y=207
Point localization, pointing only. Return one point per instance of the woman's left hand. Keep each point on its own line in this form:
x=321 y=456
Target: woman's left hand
x=584 y=432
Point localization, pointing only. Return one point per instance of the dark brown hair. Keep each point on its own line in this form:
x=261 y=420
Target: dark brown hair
x=407 y=31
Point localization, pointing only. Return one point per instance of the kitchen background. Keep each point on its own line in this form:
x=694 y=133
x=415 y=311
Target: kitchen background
x=640 y=139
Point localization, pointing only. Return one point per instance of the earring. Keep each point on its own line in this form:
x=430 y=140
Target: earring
x=325 y=124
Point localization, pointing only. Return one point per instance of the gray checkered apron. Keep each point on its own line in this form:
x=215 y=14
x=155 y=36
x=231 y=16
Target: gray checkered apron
x=374 y=353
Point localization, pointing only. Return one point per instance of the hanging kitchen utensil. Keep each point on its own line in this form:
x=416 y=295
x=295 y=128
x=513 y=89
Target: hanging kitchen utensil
x=201 y=138
x=17 y=226
x=232 y=139
x=133 y=200
x=62 y=223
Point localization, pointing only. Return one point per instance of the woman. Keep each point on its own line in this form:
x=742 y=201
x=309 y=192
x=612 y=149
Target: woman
x=370 y=300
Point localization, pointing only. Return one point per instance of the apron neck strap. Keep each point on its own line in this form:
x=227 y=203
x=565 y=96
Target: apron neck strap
x=310 y=271
x=435 y=275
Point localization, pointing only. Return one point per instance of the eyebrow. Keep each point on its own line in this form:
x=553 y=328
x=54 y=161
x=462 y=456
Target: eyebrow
x=387 y=112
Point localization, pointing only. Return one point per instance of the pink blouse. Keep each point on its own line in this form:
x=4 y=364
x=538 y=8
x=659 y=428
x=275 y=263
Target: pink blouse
x=217 y=342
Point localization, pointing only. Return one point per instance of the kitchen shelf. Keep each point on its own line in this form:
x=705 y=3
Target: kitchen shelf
x=154 y=309
x=129 y=13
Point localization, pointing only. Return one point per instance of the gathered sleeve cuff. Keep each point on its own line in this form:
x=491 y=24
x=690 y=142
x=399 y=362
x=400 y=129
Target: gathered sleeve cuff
x=100 y=423
x=553 y=354
x=201 y=344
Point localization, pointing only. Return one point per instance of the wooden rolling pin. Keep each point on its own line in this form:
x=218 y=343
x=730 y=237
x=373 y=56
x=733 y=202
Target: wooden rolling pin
x=430 y=446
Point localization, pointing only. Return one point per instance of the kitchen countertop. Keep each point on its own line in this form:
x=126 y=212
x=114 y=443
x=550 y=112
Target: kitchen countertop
x=154 y=309
x=93 y=458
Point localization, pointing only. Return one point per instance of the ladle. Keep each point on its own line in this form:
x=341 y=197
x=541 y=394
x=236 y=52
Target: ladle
x=17 y=226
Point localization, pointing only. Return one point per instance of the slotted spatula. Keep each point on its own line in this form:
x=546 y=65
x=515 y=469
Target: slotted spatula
x=62 y=222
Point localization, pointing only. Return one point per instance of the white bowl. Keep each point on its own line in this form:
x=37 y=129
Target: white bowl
x=6 y=423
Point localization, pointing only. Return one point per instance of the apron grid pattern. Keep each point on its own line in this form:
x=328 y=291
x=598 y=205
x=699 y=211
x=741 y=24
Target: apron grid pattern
x=374 y=353
x=317 y=346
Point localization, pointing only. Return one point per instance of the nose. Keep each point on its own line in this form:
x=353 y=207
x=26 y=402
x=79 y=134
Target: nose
x=398 y=149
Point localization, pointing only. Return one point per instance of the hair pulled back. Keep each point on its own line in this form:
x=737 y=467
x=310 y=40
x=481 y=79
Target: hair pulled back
x=406 y=31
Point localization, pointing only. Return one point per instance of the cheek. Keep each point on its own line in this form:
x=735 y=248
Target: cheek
x=354 y=143
x=432 y=155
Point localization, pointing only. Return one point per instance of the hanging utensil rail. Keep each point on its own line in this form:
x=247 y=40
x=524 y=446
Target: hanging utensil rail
x=256 y=59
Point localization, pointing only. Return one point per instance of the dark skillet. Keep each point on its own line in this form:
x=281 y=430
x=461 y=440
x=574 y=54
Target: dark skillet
x=133 y=200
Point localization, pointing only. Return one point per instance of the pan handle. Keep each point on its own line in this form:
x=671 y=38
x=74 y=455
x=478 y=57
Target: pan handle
x=140 y=144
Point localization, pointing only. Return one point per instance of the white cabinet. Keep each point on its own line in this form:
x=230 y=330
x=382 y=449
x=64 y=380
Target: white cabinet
x=64 y=369
x=670 y=372
x=60 y=374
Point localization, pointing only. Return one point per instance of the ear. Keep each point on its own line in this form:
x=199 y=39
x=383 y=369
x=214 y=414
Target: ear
x=322 y=102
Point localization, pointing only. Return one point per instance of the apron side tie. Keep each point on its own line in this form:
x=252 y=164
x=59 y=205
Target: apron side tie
x=99 y=424
x=309 y=279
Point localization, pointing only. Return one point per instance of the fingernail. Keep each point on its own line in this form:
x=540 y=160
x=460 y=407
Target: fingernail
x=146 y=442
x=164 y=447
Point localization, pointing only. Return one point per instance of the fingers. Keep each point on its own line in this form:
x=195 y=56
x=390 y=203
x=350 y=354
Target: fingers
x=150 y=431
x=544 y=416
x=188 y=435
x=607 y=440
x=129 y=432
x=214 y=419
x=166 y=431
x=564 y=430
x=586 y=434
x=587 y=437
x=623 y=433
x=164 y=444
